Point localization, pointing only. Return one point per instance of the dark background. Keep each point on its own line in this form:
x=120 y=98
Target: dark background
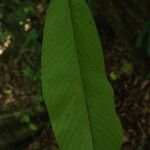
x=124 y=28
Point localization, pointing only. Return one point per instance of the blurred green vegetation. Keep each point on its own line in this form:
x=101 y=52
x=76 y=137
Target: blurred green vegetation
x=21 y=27
x=21 y=102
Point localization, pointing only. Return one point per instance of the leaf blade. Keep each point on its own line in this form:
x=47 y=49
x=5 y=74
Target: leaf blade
x=72 y=62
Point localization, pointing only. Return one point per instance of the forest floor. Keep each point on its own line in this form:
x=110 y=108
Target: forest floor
x=24 y=122
x=132 y=95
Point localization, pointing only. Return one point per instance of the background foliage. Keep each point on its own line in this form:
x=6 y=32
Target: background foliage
x=21 y=102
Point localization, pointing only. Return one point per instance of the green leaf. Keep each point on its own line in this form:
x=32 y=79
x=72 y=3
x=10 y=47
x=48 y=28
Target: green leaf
x=127 y=67
x=79 y=98
x=113 y=76
x=33 y=127
x=25 y=119
x=27 y=71
x=8 y=89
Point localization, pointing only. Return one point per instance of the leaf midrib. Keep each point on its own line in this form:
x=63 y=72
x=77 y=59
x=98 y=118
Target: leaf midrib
x=84 y=92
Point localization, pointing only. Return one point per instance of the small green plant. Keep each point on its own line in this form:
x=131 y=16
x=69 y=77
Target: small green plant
x=79 y=98
x=25 y=119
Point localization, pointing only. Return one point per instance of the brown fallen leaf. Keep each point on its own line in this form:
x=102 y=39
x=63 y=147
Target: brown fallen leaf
x=9 y=99
x=145 y=83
